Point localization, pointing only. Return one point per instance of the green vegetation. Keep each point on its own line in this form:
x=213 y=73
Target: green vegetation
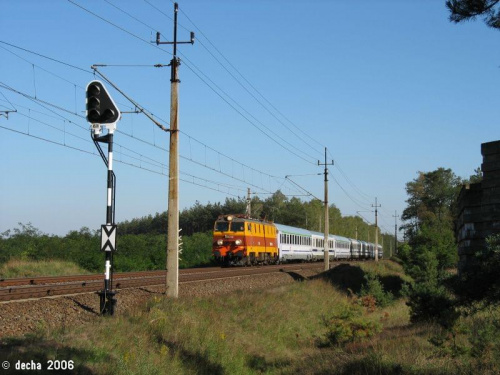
x=465 y=10
x=141 y=243
x=312 y=327
x=135 y=252
x=277 y=208
x=17 y=267
x=465 y=306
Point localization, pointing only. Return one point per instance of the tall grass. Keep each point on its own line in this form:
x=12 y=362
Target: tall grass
x=16 y=267
x=274 y=331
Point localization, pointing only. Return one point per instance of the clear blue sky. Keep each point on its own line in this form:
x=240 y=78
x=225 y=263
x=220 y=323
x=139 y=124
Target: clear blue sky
x=390 y=87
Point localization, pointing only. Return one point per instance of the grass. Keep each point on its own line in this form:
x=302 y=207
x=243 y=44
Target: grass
x=275 y=331
x=30 y=268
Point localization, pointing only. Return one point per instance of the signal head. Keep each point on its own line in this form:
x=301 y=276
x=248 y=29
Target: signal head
x=101 y=109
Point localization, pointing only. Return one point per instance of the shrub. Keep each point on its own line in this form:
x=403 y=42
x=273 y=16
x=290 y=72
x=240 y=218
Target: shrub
x=431 y=303
x=374 y=288
x=348 y=326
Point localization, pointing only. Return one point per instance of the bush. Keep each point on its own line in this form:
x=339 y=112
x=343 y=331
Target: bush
x=431 y=303
x=374 y=288
x=348 y=326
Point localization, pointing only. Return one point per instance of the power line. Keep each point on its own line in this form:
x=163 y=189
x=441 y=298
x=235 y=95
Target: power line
x=130 y=15
x=117 y=26
x=246 y=80
x=123 y=162
x=245 y=117
x=48 y=71
x=204 y=81
x=189 y=159
x=347 y=194
x=39 y=67
x=27 y=96
x=46 y=57
x=301 y=188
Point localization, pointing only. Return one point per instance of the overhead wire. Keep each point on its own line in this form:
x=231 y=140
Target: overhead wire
x=362 y=195
x=2 y=85
x=355 y=201
x=46 y=70
x=246 y=80
x=204 y=81
x=46 y=57
x=141 y=40
x=122 y=161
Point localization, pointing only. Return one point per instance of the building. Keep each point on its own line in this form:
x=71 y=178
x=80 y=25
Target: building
x=479 y=206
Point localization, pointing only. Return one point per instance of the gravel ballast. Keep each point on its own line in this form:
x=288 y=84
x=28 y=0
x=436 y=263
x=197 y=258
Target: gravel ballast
x=21 y=317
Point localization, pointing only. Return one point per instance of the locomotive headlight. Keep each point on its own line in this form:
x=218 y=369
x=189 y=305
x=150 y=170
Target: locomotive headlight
x=237 y=242
x=220 y=242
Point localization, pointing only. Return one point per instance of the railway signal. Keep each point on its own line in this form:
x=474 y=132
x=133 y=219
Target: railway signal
x=102 y=110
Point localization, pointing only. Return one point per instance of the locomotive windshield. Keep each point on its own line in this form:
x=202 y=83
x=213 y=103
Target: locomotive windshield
x=237 y=227
x=221 y=226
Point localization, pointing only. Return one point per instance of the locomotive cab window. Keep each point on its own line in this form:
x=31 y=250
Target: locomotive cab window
x=221 y=226
x=237 y=227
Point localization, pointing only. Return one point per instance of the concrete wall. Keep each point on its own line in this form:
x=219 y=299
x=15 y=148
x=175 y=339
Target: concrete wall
x=479 y=206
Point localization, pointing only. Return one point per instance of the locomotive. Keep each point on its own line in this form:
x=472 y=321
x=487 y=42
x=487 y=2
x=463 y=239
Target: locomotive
x=241 y=240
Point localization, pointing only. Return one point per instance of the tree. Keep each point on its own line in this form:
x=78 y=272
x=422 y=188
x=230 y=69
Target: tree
x=464 y=10
x=432 y=197
x=429 y=218
x=476 y=177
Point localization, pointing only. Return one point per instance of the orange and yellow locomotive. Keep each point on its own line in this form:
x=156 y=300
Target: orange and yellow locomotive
x=244 y=241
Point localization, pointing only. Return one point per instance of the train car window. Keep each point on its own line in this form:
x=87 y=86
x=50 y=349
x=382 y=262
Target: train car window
x=249 y=227
x=221 y=226
x=237 y=226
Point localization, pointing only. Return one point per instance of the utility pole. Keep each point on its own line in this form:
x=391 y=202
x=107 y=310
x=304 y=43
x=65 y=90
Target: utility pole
x=172 y=280
x=356 y=232
x=395 y=216
x=249 y=203
x=327 y=223
x=376 y=228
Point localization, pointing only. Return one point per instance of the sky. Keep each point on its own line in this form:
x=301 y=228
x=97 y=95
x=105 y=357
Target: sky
x=389 y=87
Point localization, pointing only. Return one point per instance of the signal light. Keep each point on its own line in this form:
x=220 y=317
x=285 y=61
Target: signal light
x=101 y=109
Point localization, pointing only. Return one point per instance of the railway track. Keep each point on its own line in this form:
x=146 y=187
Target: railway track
x=50 y=286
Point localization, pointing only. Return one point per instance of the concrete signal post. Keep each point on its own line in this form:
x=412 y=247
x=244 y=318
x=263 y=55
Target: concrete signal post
x=172 y=279
x=327 y=222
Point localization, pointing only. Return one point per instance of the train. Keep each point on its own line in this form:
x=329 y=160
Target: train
x=241 y=240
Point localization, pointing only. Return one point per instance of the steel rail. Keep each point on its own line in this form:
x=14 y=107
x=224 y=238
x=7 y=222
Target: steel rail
x=39 y=287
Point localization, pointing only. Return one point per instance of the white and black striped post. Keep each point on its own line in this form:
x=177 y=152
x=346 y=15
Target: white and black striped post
x=108 y=302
